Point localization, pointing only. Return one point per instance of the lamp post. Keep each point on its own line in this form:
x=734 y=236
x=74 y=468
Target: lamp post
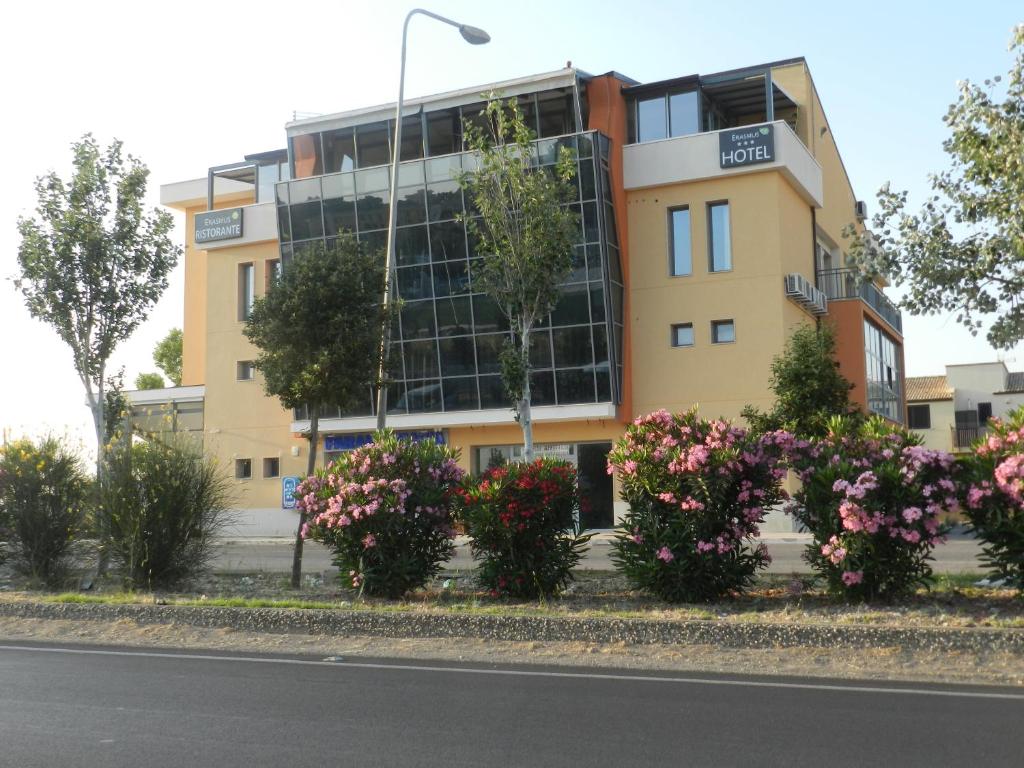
x=474 y=36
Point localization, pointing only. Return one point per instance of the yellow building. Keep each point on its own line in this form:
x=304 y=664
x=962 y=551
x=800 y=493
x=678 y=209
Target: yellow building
x=711 y=217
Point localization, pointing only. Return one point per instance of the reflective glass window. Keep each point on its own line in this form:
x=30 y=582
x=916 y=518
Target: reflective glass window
x=339 y=150
x=457 y=356
x=451 y=278
x=373 y=144
x=556 y=113
x=575 y=386
x=719 y=239
x=420 y=358
x=572 y=307
x=684 y=113
x=418 y=320
x=423 y=396
x=444 y=132
x=411 y=245
x=448 y=241
x=460 y=394
x=411 y=205
x=723 y=332
x=412 y=137
x=681 y=262
x=682 y=335
x=572 y=347
x=454 y=316
x=492 y=392
x=266 y=177
x=652 y=122
x=414 y=283
x=488 y=352
x=306 y=155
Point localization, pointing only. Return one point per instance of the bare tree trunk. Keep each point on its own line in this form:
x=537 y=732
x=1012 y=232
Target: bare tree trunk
x=314 y=440
x=97 y=406
x=525 y=416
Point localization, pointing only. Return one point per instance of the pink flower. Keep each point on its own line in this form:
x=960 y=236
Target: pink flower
x=369 y=540
x=665 y=554
x=852 y=577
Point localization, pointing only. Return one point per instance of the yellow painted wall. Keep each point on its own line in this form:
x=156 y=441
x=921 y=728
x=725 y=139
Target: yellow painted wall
x=770 y=235
x=241 y=421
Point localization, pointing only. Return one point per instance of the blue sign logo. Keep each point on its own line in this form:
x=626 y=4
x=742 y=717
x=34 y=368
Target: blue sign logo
x=288 y=486
x=348 y=442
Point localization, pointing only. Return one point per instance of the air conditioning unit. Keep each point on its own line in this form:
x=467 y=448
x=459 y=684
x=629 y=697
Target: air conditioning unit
x=861 y=210
x=804 y=293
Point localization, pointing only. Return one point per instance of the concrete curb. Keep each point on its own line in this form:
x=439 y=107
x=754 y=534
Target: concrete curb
x=412 y=624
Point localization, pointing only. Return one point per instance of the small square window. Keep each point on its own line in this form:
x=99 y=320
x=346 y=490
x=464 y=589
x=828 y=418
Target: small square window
x=245 y=370
x=272 y=467
x=682 y=335
x=723 y=332
x=243 y=469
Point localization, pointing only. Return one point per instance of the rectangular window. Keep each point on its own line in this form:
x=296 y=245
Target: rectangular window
x=984 y=412
x=245 y=370
x=679 y=237
x=682 y=335
x=919 y=416
x=883 y=373
x=651 y=119
x=243 y=469
x=271 y=467
x=719 y=242
x=723 y=332
x=246 y=290
x=684 y=113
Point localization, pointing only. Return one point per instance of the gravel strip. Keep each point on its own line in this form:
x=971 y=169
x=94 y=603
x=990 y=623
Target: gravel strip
x=412 y=624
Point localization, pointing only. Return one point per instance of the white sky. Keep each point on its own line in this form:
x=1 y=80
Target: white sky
x=194 y=84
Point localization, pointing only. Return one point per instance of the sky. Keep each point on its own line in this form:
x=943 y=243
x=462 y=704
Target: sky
x=191 y=85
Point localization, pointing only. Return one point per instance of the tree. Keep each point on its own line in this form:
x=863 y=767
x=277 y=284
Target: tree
x=808 y=387
x=318 y=334
x=964 y=251
x=526 y=233
x=93 y=262
x=167 y=356
x=149 y=381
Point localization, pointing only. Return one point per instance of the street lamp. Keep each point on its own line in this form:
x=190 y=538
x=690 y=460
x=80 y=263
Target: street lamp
x=473 y=36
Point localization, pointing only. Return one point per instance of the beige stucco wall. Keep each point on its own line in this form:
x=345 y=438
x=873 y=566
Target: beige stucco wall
x=940 y=436
x=768 y=223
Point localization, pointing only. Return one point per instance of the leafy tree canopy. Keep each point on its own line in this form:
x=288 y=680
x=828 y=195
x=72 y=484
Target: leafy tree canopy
x=526 y=233
x=93 y=262
x=167 y=356
x=808 y=387
x=149 y=381
x=963 y=252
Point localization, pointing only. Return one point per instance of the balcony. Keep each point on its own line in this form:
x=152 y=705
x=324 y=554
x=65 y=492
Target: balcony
x=696 y=157
x=964 y=437
x=840 y=284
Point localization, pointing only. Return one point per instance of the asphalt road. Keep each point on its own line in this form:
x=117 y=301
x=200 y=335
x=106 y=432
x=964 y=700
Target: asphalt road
x=90 y=708
x=958 y=555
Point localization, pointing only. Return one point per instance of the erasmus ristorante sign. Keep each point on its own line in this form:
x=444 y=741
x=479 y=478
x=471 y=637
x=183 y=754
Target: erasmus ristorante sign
x=225 y=224
x=746 y=146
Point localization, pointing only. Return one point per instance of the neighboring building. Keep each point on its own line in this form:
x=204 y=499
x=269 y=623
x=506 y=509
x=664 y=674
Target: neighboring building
x=951 y=412
x=711 y=209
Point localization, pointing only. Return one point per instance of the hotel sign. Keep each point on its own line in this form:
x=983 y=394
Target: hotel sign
x=224 y=224
x=746 y=146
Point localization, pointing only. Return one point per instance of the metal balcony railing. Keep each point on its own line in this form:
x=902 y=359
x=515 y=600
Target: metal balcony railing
x=965 y=437
x=845 y=284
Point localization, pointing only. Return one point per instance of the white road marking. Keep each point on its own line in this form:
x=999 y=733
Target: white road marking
x=527 y=673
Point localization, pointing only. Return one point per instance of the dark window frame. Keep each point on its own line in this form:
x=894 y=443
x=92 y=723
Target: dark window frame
x=674 y=338
x=924 y=409
x=711 y=206
x=716 y=324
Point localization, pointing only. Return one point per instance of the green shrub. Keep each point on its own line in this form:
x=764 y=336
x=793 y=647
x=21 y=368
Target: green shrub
x=523 y=520
x=162 y=505
x=385 y=511
x=697 y=491
x=994 y=497
x=43 y=502
x=873 y=499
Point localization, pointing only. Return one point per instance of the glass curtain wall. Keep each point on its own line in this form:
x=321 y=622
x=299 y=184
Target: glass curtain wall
x=446 y=346
x=883 y=373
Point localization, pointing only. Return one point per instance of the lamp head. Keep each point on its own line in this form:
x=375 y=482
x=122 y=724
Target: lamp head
x=473 y=35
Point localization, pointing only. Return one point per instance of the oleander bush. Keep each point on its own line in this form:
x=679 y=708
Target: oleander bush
x=523 y=520
x=162 y=505
x=697 y=491
x=385 y=510
x=44 y=495
x=873 y=499
x=994 y=497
